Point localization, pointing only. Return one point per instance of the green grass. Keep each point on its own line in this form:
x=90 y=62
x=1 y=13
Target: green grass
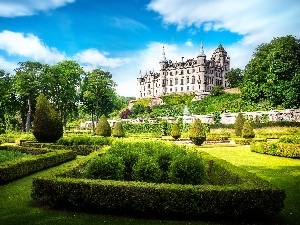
x=282 y=172
x=9 y=155
x=17 y=207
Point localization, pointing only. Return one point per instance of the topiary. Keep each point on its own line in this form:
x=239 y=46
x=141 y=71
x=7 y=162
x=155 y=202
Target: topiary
x=187 y=169
x=238 y=124
x=47 y=125
x=197 y=132
x=147 y=169
x=105 y=167
x=247 y=131
x=175 y=132
x=118 y=130
x=103 y=127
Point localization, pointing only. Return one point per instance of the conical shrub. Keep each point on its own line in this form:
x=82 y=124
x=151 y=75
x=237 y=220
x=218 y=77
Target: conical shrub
x=197 y=132
x=103 y=127
x=247 y=131
x=47 y=125
x=238 y=124
x=175 y=132
x=118 y=130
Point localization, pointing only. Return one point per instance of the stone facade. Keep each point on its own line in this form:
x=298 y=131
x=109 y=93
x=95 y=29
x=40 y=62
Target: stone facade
x=197 y=76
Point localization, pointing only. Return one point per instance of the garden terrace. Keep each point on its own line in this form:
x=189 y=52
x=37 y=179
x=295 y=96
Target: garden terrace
x=37 y=160
x=227 y=191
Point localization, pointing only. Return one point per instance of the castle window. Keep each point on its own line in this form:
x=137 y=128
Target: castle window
x=193 y=80
x=176 y=81
x=187 y=80
x=181 y=82
x=171 y=82
x=181 y=72
x=187 y=88
x=181 y=88
x=193 y=88
x=176 y=72
x=170 y=89
x=171 y=73
x=176 y=89
x=193 y=70
x=148 y=85
x=188 y=71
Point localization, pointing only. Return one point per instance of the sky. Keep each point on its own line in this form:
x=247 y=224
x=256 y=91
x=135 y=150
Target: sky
x=125 y=37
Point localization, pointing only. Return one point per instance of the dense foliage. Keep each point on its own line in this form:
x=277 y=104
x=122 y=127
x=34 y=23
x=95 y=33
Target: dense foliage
x=238 y=124
x=48 y=126
x=234 y=77
x=247 y=131
x=175 y=132
x=118 y=130
x=197 y=132
x=273 y=73
x=103 y=127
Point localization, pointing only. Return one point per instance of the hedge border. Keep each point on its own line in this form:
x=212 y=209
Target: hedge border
x=250 y=195
x=24 y=166
x=277 y=149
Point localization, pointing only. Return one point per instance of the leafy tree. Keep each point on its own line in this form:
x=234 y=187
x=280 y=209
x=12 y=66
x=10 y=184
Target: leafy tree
x=247 y=131
x=118 y=130
x=175 y=132
x=103 y=127
x=98 y=93
x=138 y=110
x=48 y=126
x=60 y=84
x=197 y=132
x=27 y=85
x=273 y=73
x=217 y=90
x=234 y=77
x=125 y=114
x=238 y=124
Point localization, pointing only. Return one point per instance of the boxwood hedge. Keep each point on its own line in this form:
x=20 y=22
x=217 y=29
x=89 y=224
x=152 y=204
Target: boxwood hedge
x=232 y=191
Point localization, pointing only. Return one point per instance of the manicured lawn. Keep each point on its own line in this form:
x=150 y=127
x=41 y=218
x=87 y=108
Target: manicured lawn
x=16 y=206
x=282 y=172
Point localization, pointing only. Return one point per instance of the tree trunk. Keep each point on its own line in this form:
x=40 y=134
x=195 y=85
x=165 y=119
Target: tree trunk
x=28 y=120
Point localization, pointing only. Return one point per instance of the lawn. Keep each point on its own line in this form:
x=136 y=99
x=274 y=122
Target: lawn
x=16 y=206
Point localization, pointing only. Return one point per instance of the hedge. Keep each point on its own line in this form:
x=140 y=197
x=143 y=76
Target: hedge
x=248 y=141
x=242 y=193
x=277 y=149
x=25 y=166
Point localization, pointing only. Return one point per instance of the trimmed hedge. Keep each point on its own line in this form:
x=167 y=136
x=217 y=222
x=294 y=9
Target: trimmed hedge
x=25 y=166
x=276 y=149
x=291 y=139
x=248 y=141
x=243 y=193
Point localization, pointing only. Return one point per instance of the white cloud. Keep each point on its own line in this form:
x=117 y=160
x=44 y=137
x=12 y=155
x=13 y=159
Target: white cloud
x=28 y=46
x=7 y=66
x=15 y=8
x=256 y=21
x=92 y=58
x=189 y=43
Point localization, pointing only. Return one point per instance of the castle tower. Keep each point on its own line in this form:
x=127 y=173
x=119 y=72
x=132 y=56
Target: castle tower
x=163 y=67
x=201 y=59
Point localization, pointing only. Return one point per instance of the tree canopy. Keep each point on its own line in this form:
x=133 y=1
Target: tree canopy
x=273 y=74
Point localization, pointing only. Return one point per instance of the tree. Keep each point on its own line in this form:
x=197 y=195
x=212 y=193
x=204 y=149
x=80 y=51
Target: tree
x=118 y=130
x=273 y=74
x=238 y=124
x=48 y=126
x=197 y=132
x=217 y=90
x=98 y=93
x=27 y=85
x=103 y=127
x=175 y=132
x=247 y=131
x=60 y=84
x=234 y=77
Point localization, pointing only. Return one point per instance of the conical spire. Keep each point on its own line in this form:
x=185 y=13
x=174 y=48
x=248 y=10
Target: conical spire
x=201 y=50
x=164 y=54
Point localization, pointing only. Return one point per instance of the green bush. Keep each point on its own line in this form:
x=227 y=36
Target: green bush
x=103 y=127
x=175 y=132
x=118 y=130
x=146 y=169
x=291 y=139
x=187 y=169
x=47 y=125
x=164 y=159
x=247 y=131
x=197 y=132
x=248 y=141
x=105 y=167
x=217 y=137
x=276 y=149
x=238 y=124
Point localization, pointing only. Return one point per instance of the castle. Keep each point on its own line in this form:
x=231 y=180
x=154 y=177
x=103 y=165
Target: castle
x=197 y=76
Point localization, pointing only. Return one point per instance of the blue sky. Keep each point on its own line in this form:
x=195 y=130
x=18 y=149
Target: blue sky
x=126 y=36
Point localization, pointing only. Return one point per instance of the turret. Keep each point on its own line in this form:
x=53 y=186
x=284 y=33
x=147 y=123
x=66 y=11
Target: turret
x=201 y=56
x=163 y=63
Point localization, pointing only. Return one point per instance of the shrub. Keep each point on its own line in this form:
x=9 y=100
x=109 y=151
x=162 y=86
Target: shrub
x=103 y=127
x=247 y=131
x=118 y=130
x=197 y=132
x=187 y=169
x=146 y=169
x=164 y=159
x=292 y=139
x=48 y=126
x=175 y=132
x=238 y=124
x=105 y=167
